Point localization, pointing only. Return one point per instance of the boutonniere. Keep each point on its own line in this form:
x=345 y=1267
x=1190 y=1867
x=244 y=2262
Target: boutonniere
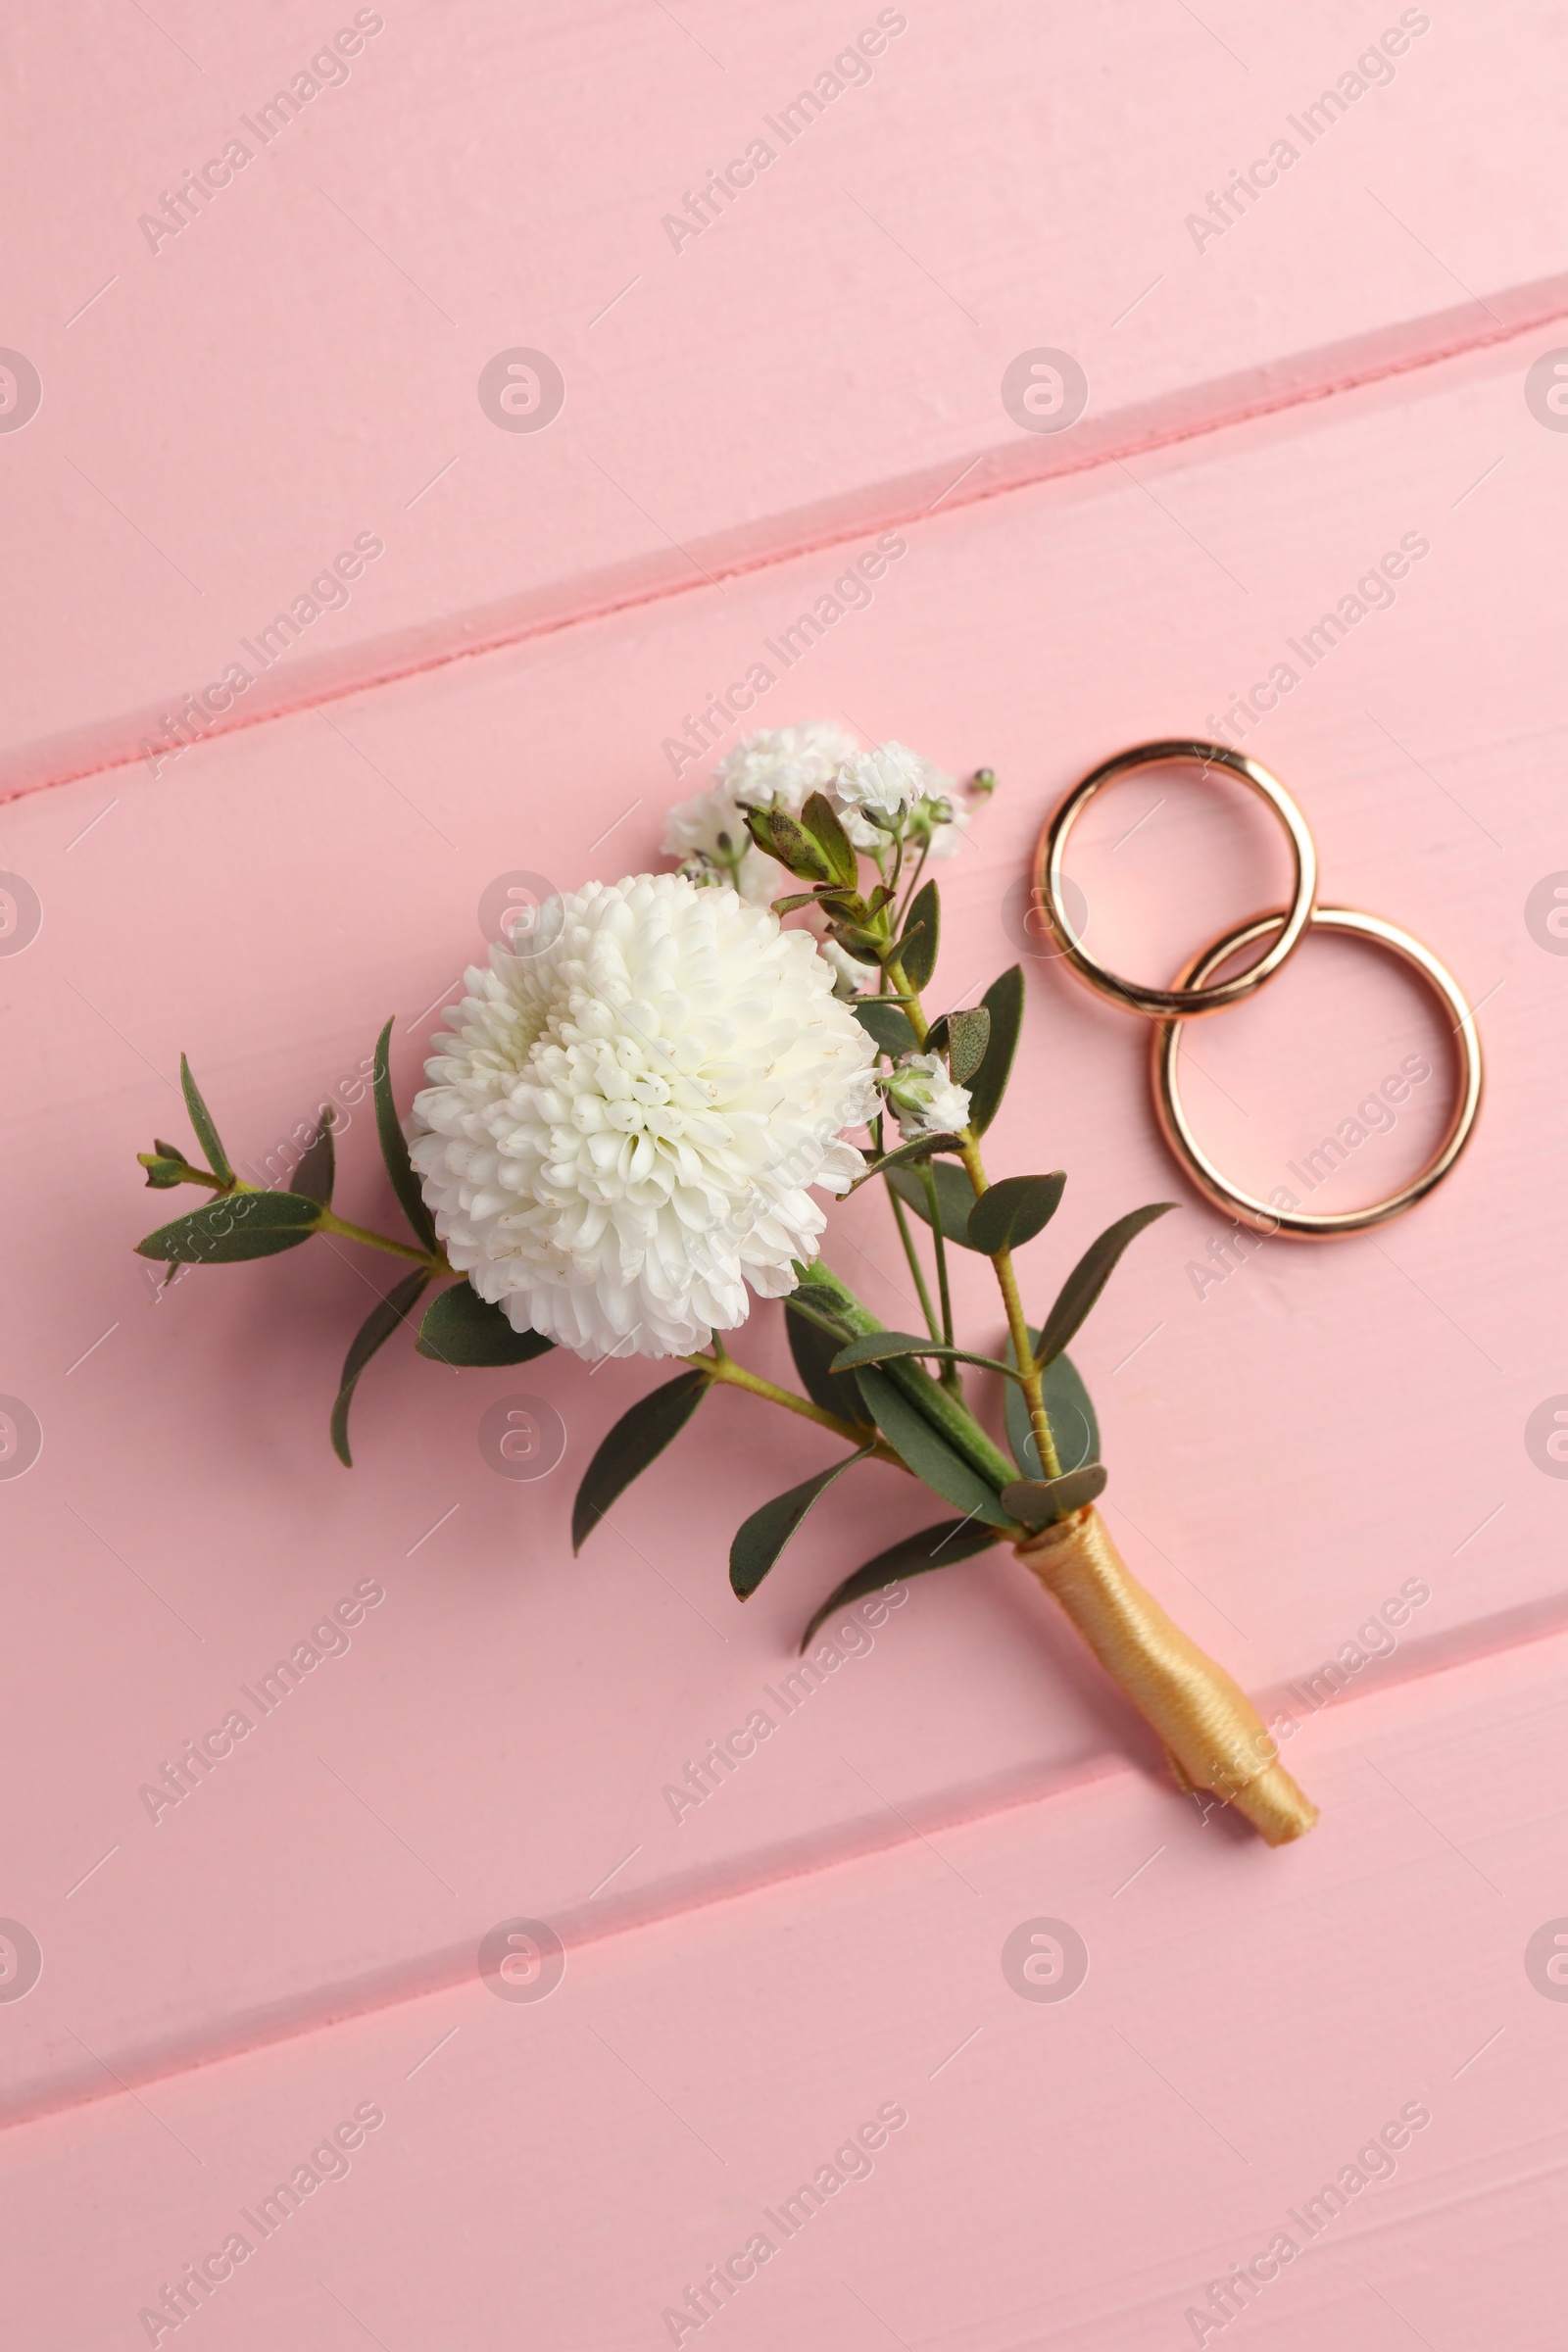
x=629 y=1125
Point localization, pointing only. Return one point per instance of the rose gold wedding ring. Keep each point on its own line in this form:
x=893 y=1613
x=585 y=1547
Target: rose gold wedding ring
x=1283 y=1211
x=1197 y=991
x=1182 y=1002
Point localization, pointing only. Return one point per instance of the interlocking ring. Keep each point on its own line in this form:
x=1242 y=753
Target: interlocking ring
x=1195 y=992
x=1267 y=1217
x=1179 y=1002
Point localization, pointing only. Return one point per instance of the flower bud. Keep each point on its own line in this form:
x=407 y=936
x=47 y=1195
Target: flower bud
x=165 y=1167
x=923 y=1097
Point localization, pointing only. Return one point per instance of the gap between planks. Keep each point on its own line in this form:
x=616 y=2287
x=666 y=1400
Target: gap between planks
x=1509 y=1637
x=1273 y=389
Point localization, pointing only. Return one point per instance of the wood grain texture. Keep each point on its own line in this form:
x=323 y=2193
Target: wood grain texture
x=298 y=365
x=1070 y=2174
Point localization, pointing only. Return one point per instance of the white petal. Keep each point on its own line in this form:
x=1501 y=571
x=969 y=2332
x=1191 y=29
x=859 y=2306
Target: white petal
x=619 y=1131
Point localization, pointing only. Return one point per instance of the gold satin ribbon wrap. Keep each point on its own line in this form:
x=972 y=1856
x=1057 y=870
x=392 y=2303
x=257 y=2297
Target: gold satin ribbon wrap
x=1214 y=1736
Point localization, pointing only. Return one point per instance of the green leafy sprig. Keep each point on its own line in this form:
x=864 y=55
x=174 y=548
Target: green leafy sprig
x=871 y=1387
x=868 y=1384
x=242 y=1220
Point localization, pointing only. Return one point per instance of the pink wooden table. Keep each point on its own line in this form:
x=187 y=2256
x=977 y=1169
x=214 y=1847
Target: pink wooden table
x=279 y=1977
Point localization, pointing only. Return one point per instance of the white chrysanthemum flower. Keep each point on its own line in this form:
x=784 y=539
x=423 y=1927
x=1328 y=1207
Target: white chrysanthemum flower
x=891 y=780
x=924 y=1100
x=619 y=1134
x=785 y=765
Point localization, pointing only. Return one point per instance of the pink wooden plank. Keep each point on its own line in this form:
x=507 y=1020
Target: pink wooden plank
x=1286 y=1448
x=224 y=416
x=1073 y=2174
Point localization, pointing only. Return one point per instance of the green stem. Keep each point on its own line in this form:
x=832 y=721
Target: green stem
x=914 y=884
x=435 y=1259
x=189 y=1175
x=907 y=1239
x=947 y=1415
x=724 y=1372
x=1023 y=1355
x=1006 y=1279
x=928 y=1183
x=901 y=1220
x=909 y=999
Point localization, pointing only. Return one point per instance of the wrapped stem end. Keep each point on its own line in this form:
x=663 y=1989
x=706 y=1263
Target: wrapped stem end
x=1213 y=1736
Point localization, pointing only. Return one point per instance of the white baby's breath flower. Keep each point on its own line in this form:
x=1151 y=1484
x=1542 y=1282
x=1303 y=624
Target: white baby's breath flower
x=619 y=1132
x=709 y=826
x=851 y=975
x=784 y=766
x=708 y=834
x=924 y=1100
x=758 y=878
x=761 y=879
x=891 y=780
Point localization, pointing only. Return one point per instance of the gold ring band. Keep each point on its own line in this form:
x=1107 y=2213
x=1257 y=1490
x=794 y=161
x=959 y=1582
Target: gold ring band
x=1181 y=1002
x=1269 y=1217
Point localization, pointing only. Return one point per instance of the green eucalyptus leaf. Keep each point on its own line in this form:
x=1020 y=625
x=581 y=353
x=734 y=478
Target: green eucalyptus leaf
x=931 y=1458
x=236 y=1225
x=317 y=1172
x=761 y=1539
x=394 y=1150
x=1038 y=1502
x=954 y=1197
x=201 y=1118
x=939 y=1546
x=820 y=1302
x=1068 y=1409
x=377 y=1329
x=967 y=1035
x=813 y=1350
x=1089 y=1276
x=637 y=1439
x=1013 y=1210
x=1003 y=1001
x=820 y=1291
x=887 y=1023
x=461 y=1328
x=820 y=821
x=922 y=937
x=885 y=1347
